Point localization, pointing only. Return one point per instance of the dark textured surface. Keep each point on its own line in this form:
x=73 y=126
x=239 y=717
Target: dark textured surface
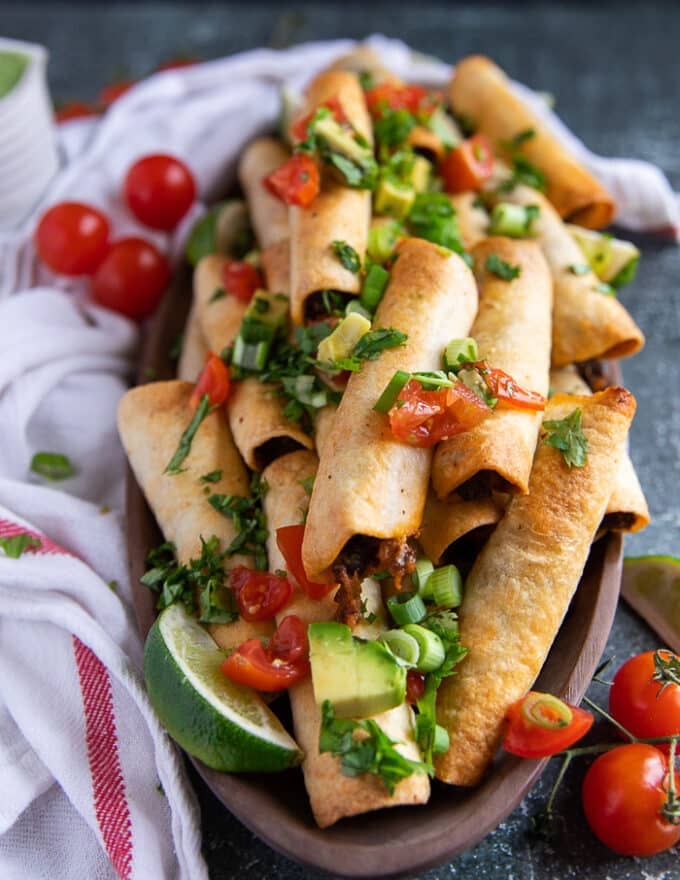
x=615 y=70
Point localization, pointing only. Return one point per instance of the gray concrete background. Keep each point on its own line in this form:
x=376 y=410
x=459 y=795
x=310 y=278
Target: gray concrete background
x=615 y=71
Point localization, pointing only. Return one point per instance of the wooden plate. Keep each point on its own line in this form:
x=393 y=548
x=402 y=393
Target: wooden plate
x=403 y=840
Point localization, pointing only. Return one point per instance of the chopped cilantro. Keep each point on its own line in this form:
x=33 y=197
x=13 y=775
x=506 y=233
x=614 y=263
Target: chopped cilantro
x=52 y=465
x=16 y=545
x=499 y=267
x=369 y=348
x=249 y=521
x=349 y=258
x=393 y=127
x=184 y=447
x=212 y=477
x=218 y=294
x=176 y=347
x=433 y=218
x=566 y=435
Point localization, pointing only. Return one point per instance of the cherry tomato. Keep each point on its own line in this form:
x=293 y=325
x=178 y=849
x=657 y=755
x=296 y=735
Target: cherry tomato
x=468 y=166
x=423 y=418
x=109 y=94
x=299 y=128
x=623 y=795
x=503 y=387
x=213 y=381
x=289 y=540
x=260 y=594
x=241 y=279
x=176 y=64
x=72 y=238
x=393 y=96
x=290 y=642
x=250 y=664
x=74 y=110
x=131 y=278
x=296 y=182
x=159 y=190
x=541 y=724
x=646 y=707
x=415 y=686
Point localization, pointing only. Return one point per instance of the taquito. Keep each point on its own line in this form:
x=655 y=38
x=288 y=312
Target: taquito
x=332 y=796
x=194 y=349
x=453 y=530
x=521 y=585
x=480 y=90
x=151 y=420
x=512 y=329
x=473 y=220
x=275 y=260
x=627 y=509
x=323 y=422
x=219 y=313
x=268 y=215
x=587 y=323
x=338 y=213
x=370 y=492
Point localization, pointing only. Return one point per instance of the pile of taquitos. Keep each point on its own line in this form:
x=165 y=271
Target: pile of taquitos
x=386 y=242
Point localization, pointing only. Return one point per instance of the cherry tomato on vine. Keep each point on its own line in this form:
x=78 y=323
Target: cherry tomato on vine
x=213 y=381
x=159 y=190
x=72 y=238
x=541 y=724
x=645 y=705
x=131 y=278
x=623 y=795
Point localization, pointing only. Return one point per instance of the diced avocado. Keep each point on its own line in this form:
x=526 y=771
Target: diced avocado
x=339 y=140
x=359 y=678
x=610 y=258
x=421 y=174
x=267 y=308
x=394 y=198
x=342 y=340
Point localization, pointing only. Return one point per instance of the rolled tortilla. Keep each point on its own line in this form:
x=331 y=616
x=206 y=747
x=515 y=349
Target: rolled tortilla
x=627 y=509
x=479 y=89
x=338 y=213
x=268 y=215
x=453 y=530
x=332 y=796
x=219 y=314
x=586 y=323
x=323 y=423
x=194 y=349
x=275 y=261
x=473 y=220
x=364 y=60
x=521 y=585
x=370 y=486
x=151 y=420
x=512 y=329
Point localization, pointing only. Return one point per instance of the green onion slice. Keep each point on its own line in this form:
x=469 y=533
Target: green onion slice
x=250 y=355
x=434 y=379
x=406 y=608
x=446 y=586
x=355 y=307
x=441 y=740
x=512 y=220
x=389 y=396
x=419 y=578
x=546 y=711
x=460 y=351
x=432 y=650
x=373 y=287
x=404 y=647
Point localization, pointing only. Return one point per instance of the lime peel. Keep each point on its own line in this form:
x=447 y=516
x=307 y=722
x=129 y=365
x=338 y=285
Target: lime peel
x=651 y=585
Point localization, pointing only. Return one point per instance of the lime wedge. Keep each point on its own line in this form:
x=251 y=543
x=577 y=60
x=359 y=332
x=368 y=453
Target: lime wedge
x=651 y=584
x=224 y=724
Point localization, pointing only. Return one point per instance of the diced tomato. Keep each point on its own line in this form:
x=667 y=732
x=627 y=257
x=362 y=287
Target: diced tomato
x=241 y=279
x=290 y=642
x=469 y=166
x=415 y=686
x=252 y=665
x=504 y=388
x=539 y=725
x=213 y=381
x=423 y=418
x=296 y=182
x=299 y=128
x=74 y=110
x=113 y=91
x=392 y=96
x=260 y=594
x=289 y=541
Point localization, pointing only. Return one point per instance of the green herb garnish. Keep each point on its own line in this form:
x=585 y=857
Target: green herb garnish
x=369 y=348
x=52 y=465
x=393 y=127
x=218 y=294
x=15 y=545
x=433 y=218
x=184 y=447
x=212 y=477
x=567 y=436
x=249 y=521
x=349 y=258
x=176 y=347
x=499 y=267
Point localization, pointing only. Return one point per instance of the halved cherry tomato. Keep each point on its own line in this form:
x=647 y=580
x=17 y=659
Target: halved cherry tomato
x=290 y=642
x=392 y=96
x=423 y=418
x=72 y=238
x=109 y=94
x=213 y=381
x=645 y=706
x=74 y=110
x=260 y=594
x=159 y=190
x=623 y=796
x=504 y=388
x=252 y=665
x=296 y=182
x=541 y=724
x=415 y=686
x=299 y=128
x=131 y=278
x=468 y=166
x=241 y=279
x=289 y=540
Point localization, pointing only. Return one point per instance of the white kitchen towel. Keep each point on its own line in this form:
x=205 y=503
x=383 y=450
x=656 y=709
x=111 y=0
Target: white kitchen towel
x=81 y=754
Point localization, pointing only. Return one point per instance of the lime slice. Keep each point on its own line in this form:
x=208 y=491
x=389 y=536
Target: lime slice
x=224 y=724
x=651 y=584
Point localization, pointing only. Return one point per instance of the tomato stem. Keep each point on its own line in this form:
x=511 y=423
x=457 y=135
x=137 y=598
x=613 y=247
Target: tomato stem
x=609 y=718
x=671 y=806
x=666 y=669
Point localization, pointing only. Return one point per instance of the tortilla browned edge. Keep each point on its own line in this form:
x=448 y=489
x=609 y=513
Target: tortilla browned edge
x=332 y=796
x=151 y=420
x=587 y=323
x=446 y=523
x=194 y=349
x=627 y=509
x=513 y=333
x=268 y=214
x=480 y=90
x=338 y=213
x=521 y=584
x=368 y=482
